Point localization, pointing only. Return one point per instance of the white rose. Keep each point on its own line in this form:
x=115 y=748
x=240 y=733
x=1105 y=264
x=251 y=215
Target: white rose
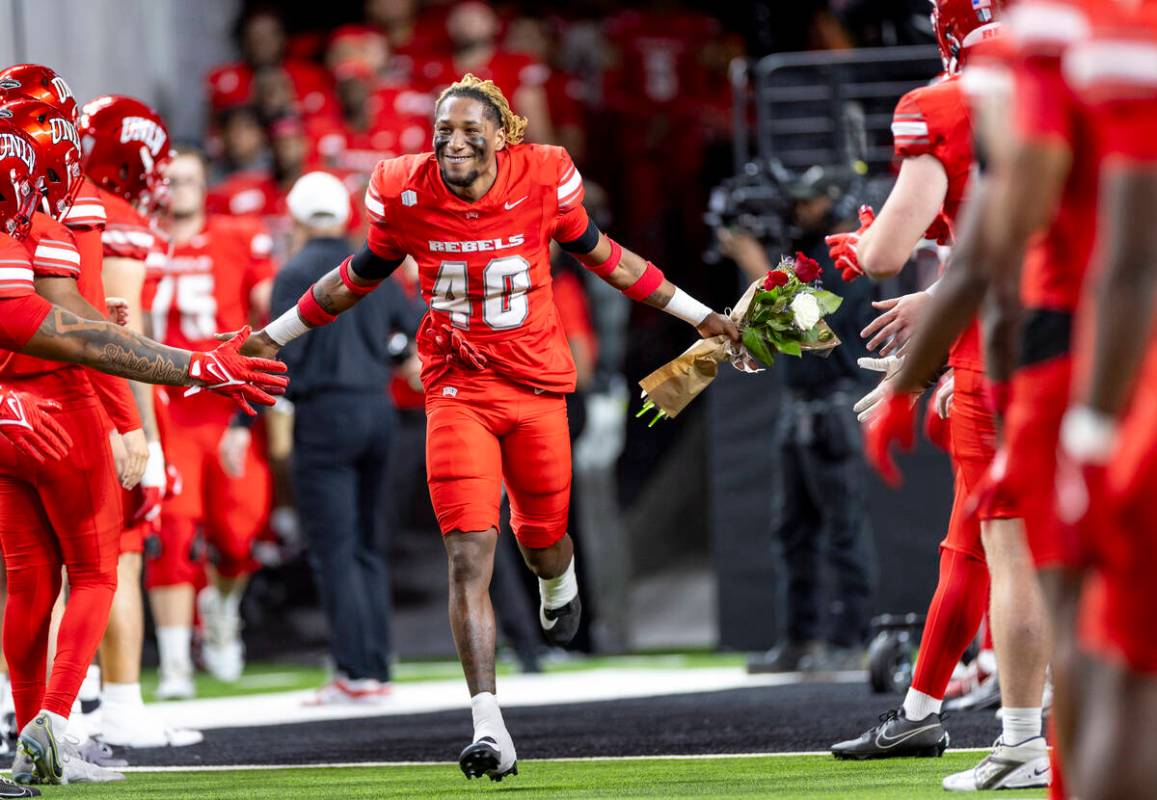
x=806 y=311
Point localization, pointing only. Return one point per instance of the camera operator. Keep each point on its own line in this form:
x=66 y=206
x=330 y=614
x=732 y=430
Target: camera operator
x=821 y=494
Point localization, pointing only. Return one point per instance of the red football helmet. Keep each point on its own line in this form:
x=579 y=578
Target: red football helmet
x=126 y=146
x=57 y=148
x=18 y=195
x=959 y=24
x=39 y=83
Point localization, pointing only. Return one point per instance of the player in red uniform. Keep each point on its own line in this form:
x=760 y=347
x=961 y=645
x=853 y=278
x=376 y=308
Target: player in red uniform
x=1042 y=181
x=127 y=147
x=217 y=278
x=60 y=512
x=478 y=214
x=933 y=135
x=1108 y=431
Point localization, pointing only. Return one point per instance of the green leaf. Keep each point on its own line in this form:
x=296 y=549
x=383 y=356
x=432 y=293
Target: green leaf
x=828 y=301
x=790 y=347
x=753 y=340
x=812 y=336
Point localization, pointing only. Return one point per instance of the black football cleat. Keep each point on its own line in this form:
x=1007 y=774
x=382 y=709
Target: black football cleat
x=897 y=737
x=560 y=625
x=483 y=758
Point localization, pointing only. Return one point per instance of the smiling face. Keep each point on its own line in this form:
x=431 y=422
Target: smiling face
x=467 y=138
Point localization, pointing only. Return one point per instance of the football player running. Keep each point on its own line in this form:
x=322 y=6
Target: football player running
x=478 y=214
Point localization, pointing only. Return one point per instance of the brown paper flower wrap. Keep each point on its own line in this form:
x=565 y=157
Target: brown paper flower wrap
x=770 y=316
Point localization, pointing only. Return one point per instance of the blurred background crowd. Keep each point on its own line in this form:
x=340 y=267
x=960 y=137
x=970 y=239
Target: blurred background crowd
x=642 y=95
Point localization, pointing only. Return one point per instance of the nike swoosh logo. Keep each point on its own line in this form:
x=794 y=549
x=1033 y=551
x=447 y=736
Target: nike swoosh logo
x=887 y=741
x=510 y=205
x=547 y=624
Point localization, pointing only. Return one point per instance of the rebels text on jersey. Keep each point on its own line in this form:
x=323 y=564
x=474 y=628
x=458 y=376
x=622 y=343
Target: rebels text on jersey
x=934 y=120
x=485 y=266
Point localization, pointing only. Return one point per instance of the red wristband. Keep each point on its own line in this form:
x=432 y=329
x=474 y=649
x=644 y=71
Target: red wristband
x=997 y=394
x=604 y=268
x=651 y=279
x=311 y=311
x=360 y=289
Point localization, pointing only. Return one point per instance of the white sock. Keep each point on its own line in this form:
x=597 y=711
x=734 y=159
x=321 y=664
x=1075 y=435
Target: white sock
x=487 y=717
x=918 y=705
x=5 y=694
x=123 y=694
x=557 y=592
x=90 y=688
x=174 y=643
x=59 y=723
x=1020 y=724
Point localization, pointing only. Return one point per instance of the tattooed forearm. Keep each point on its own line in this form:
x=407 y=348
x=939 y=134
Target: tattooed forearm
x=63 y=336
x=332 y=295
x=142 y=363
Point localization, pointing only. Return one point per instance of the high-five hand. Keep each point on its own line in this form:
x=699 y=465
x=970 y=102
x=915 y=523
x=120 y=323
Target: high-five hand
x=244 y=379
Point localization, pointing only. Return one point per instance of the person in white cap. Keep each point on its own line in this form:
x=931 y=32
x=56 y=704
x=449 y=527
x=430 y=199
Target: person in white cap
x=343 y=422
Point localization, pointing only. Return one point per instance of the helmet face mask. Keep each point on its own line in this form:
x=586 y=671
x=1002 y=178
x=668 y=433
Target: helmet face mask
x=18 y=195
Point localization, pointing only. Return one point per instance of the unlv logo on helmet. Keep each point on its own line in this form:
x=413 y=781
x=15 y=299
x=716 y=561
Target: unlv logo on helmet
x=145 y=131
x=62 y=90
x=63 y=131
x=9 y=83
x=13 y=146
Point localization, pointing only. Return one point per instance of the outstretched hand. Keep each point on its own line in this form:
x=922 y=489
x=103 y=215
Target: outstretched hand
x=842 y=247
x=245 y=379
x=894 y=423
x=259 y=345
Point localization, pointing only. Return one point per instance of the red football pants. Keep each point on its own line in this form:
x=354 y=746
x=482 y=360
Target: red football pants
x=961 y=596
x=64 y=513
x=231 y=512
x=488 y=433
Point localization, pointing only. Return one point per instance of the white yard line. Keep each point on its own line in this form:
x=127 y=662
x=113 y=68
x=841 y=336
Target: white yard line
x=387 y=764
x=584 y=686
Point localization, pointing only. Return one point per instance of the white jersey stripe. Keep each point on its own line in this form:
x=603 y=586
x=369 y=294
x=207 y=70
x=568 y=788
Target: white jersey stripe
x=900 y=129
x=374 y=206
x=1055 y=24
x=570 y=185
x=1128 y=62
x=16 y=274
x=43 y=251
x=85 y=212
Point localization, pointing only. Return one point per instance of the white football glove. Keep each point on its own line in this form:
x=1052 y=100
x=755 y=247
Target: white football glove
x=889 y=365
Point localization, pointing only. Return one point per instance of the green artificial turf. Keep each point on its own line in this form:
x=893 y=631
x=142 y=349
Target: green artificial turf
x=784 y=777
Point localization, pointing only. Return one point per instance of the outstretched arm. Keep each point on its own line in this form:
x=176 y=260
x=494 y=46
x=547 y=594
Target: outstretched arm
x=643 y=282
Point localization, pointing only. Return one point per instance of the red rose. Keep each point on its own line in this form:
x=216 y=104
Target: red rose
x=775 y=277
x=806 y=269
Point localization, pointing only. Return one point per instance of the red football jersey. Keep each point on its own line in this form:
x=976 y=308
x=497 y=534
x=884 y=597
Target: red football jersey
x=485 y=266
x=1048 y=109
x=934 y=120
x=127 y=232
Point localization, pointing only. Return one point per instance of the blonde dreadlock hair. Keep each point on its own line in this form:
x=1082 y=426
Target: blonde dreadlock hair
x=488 y=93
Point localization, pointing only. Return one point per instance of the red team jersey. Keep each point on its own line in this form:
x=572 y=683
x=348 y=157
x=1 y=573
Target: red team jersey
x=485 y=266
x=934 y=120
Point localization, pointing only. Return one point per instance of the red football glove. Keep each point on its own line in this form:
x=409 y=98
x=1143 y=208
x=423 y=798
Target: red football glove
x=239 y=377
x=1087 y=443
x=1002 y=484
x=448 y=342
x=27 y=422
x=842 y=246
x=894 y=422
x=940 y=230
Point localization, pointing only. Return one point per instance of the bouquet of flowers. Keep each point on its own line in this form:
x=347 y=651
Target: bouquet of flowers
x=782 y=312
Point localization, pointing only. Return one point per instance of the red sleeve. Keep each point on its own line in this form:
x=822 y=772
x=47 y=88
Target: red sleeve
x=911 y=134
x=54 y=254
x=117 y=399
x=380 y=237
x=20 y=317
x=571 y=221
x=15 y=269
x=1044 y=107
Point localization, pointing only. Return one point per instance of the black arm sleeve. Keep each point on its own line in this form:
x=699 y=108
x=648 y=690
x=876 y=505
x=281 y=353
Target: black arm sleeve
x=585 y=243
x=369 y=266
